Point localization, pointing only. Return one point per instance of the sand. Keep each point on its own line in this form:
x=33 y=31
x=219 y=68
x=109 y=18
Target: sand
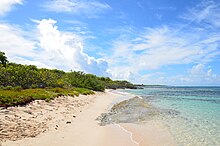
x=72 y=122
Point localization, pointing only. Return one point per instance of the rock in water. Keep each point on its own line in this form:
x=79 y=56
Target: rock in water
x=129 y=111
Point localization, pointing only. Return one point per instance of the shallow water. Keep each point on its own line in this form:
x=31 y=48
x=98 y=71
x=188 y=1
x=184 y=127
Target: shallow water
x=198 y=120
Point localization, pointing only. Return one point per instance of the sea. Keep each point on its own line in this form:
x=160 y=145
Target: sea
x=196 y=121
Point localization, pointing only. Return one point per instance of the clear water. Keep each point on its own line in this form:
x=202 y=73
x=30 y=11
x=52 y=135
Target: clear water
x=198 y=121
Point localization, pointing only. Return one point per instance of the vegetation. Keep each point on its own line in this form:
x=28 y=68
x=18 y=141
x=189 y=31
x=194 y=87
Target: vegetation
x=20 y=84
x=3 y=59
x=110 y=84
x=30 y=77
x=89 y=81
x=15 y=97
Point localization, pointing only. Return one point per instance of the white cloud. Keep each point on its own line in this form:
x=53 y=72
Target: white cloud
x=198 y=74
x=21 y=60
x=64 y=50
x=139 y=51
x=140 y=5
x=90 y=8
x=52 y=48
x=14 y=42
x=164 y=8
x=197 y=69
x=206 y=12
x=201 y=75
x=7 y=5
x=18 y=47
x=158 y=47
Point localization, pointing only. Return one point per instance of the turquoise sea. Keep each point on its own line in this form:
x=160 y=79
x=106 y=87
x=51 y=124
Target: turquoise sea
x=196 y=121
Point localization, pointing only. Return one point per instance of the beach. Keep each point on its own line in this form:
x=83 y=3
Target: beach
x=110 y=73
x=72 y=121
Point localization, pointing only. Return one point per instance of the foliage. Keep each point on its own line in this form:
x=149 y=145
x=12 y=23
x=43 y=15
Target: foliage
x=110 y=84
x=3 y=59
x=22 y=97
x=89 y=81
x=71 y=91
x=12 y=97
x=47 y=83
x=83 y=91
x=30 y=77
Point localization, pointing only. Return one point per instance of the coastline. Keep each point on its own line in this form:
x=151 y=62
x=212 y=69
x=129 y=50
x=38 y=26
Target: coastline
x=82 y=128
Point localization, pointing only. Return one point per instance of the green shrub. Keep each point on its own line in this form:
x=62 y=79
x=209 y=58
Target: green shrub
x=17 y=88
x=22 y=97
x=83 y=91
x=46 y=84
x=8 y=88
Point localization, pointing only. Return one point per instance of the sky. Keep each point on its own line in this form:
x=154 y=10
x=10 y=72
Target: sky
x=171 y=42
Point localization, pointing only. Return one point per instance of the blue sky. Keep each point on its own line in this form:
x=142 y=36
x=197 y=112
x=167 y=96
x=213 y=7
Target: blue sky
x=144 y=41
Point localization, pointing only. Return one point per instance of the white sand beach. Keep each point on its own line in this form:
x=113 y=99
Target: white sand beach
x=72 y=122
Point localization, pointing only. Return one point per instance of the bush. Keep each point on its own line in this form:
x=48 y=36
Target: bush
x=22 y=97
x=83 y=91
x=17 y=88
x=8 y=88
x=30 y=77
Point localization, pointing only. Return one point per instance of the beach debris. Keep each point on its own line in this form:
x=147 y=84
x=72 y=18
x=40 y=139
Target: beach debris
x=28 y=111
x=56 y=127
x=68 y=122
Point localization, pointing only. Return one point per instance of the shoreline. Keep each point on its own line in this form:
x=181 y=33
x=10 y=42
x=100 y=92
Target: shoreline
x=82 y=128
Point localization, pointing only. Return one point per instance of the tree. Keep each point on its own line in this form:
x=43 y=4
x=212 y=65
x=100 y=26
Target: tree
x=3 y=59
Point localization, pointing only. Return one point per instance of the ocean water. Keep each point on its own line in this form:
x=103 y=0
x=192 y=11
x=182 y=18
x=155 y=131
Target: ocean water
x=197 y=122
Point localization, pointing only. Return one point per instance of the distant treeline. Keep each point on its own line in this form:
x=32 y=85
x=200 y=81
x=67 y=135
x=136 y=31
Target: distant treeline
x=14 y=75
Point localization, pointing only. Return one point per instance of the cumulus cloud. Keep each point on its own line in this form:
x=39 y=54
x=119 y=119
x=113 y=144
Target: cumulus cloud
x=21 y=60
x=14 y=42
x=200 y=74
x=197 y=69
x=52 y=49
x=64 y=50
x=89 y=8
x=7 y=5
